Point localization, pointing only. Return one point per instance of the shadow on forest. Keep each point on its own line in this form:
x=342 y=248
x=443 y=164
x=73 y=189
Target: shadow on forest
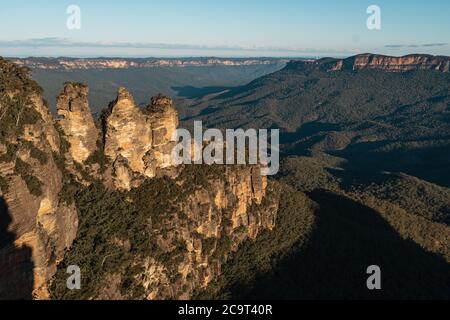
x=191 y=92
x=16 y=265
x=427 y=163
x=348 y=238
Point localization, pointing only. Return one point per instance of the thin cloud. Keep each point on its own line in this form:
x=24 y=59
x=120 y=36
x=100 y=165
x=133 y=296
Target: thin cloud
x=435 y=44
x=51 y=42
x=427 y=45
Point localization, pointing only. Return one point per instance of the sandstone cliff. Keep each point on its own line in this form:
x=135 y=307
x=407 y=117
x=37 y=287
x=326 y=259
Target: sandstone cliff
x=377 y=62
x=138 y=142
x=169 y=237
x=39 y=226
x=77 y=122
x=216 y=220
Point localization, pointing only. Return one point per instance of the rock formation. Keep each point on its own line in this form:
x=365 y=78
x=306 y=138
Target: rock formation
x=209 y=224
x=77 y=122
x=139 y=142
x=216 y=215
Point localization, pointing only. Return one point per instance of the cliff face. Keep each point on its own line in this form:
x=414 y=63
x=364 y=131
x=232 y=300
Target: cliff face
x=169 y=237
x=77 y=122
x=175 y=225
x=377 y=62
x=39 y=226
x=216 y=219
x=139 y=142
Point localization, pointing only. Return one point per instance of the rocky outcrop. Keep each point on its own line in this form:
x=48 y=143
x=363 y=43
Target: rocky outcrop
x=39 y=226
x=376 y=62
x=138 y=142
x=228 y=210
x=76 y=122
x=195 y=236
x=203 y=220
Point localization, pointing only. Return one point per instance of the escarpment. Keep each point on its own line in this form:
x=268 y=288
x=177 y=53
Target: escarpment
x=376 y=62
x=399 y=64
x=106 y=196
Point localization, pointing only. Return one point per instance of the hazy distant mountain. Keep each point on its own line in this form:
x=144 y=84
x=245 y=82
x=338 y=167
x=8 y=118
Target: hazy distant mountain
x=179 y=78
x=63 y=63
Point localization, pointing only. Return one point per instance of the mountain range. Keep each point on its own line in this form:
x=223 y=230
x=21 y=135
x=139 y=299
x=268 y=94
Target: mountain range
x=179 y=78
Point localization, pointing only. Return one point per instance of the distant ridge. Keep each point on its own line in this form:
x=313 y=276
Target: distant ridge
x=374 y=61
x=66 y=63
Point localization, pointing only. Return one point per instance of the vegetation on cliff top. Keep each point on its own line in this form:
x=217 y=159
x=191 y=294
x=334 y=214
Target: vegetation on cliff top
x=16 y=111
x=16 y=108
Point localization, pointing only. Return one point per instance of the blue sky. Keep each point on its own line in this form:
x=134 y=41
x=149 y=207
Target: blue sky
x=223 y=28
